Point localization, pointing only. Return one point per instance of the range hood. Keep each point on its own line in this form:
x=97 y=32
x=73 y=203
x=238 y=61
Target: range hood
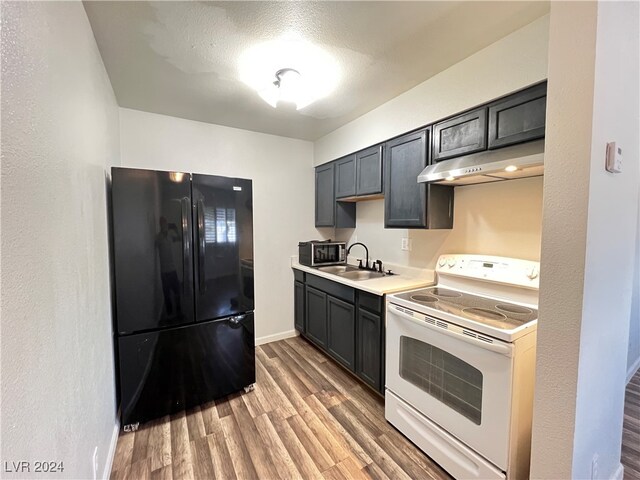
x=518 y=161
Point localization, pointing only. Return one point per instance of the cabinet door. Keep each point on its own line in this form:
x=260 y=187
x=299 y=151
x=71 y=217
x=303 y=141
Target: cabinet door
x=325 y=197
x=460 y=135
x=519 y=117
x=341 y=321
x=405 y=198
x=345 y=170
x=298 y=302
x=316 y=309
x=369 y=171
x=369 y=347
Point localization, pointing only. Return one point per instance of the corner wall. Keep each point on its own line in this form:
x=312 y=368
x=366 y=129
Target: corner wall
x=588 y=240
x=283 y=202
x=59 y=136
x=503 y=218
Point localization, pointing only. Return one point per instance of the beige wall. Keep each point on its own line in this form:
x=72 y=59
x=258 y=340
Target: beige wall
x=59 y=137
x=283 y=202
x=493 y=219
x=500 y=219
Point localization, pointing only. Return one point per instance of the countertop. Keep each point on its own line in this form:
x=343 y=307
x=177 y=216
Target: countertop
x=406 y=278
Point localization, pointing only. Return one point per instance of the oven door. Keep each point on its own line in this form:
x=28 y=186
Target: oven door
x=459 y=382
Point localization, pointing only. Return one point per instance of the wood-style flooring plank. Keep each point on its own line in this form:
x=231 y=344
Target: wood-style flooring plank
x=164 y=473
x=310 y=443
x=195 y=424
x=201 y=458
x=124 y=452
x=181 y=462
x=242 y=464
x=220 y=456
x=159 y=449
x=281 y=459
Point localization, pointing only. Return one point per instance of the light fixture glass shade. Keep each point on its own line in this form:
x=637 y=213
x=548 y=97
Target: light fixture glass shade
x=307 y=72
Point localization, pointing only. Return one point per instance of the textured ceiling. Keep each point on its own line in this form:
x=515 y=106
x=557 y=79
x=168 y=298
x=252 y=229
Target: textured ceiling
x=181 y=58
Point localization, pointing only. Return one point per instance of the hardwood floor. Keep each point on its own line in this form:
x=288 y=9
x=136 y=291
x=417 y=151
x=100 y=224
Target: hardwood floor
x=306 y=418
x=631 y=430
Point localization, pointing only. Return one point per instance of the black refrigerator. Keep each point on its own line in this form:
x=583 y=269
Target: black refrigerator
x=183 y=275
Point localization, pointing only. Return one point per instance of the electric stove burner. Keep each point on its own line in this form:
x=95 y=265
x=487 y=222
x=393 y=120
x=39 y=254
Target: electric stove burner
x=515 y=309
x=424 y=298
x=483 y=314
x=443 y=292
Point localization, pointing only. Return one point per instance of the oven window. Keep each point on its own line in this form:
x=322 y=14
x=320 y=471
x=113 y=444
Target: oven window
x=452 y=381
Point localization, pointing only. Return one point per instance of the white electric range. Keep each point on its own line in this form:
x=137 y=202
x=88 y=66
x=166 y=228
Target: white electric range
x=461 y=363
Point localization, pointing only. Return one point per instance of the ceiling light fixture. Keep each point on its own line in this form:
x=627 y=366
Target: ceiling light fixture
x=286 y=88
x=511 y=168
x=450 y=179
x=304 y=72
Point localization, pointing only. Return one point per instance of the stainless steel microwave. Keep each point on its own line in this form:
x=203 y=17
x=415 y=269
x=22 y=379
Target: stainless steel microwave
x=317 y=253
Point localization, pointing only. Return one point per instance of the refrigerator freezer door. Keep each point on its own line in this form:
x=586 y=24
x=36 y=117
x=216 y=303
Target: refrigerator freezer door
x=153 y=249
x=169 y=370
x=223 y=232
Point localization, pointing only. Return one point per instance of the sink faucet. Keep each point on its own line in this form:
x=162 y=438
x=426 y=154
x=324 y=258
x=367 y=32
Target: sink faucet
x=366 y=250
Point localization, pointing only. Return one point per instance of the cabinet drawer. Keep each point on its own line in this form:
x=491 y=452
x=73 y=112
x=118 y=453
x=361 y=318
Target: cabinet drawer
x=460 y=135
x=332 y=288
x=370 y=302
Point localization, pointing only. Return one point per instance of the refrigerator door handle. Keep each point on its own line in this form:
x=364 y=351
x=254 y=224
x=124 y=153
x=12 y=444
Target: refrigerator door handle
x=186 y=241
x=201 y=245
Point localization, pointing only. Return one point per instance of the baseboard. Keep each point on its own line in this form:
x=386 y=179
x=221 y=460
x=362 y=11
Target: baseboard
x=619 y=473
x=275 y=337
x=633 y=369
x=112 y=450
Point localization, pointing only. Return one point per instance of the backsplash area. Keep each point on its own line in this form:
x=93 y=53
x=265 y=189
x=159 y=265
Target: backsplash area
x=502 y=218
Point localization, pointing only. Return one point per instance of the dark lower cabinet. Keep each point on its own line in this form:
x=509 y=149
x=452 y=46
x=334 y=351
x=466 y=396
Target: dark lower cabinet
x=369 y=365
x=341 y=321
x=346 y=323
x=298 y=306
x=316 y=315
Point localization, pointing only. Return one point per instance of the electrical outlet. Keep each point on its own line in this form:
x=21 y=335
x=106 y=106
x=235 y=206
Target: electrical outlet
x=594 y=467
x=406 y=244
x=95 y=463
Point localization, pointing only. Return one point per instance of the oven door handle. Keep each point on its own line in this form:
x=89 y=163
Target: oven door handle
x=419 y=319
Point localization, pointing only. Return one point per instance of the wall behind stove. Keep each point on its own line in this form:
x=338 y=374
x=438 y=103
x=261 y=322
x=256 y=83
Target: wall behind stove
x=493 y=219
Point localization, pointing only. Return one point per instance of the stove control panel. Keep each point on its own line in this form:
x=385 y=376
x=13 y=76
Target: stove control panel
x=510 y=271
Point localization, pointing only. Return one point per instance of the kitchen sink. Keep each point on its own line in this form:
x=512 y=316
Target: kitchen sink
x=338 y=269
x=361 y=275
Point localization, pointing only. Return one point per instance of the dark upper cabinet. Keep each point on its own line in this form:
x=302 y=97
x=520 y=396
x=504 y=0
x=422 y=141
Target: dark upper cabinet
x=341 y=331
x=345 y=171
x=316 y=310
x=460 y=135
x=298 y=308
x=369 y=171
x=519 y=117
x=369 y=363
x=330 y=213
x=325 y=196
x=407 y=203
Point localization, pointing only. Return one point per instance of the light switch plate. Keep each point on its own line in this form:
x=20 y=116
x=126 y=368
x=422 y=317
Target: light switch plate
x=406 y=244
x=613 y=162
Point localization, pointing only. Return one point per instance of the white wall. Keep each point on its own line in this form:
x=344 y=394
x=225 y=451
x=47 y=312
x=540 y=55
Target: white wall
x=59 y=133
x=502 y=218
x=282 y=173
x=588 y=241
